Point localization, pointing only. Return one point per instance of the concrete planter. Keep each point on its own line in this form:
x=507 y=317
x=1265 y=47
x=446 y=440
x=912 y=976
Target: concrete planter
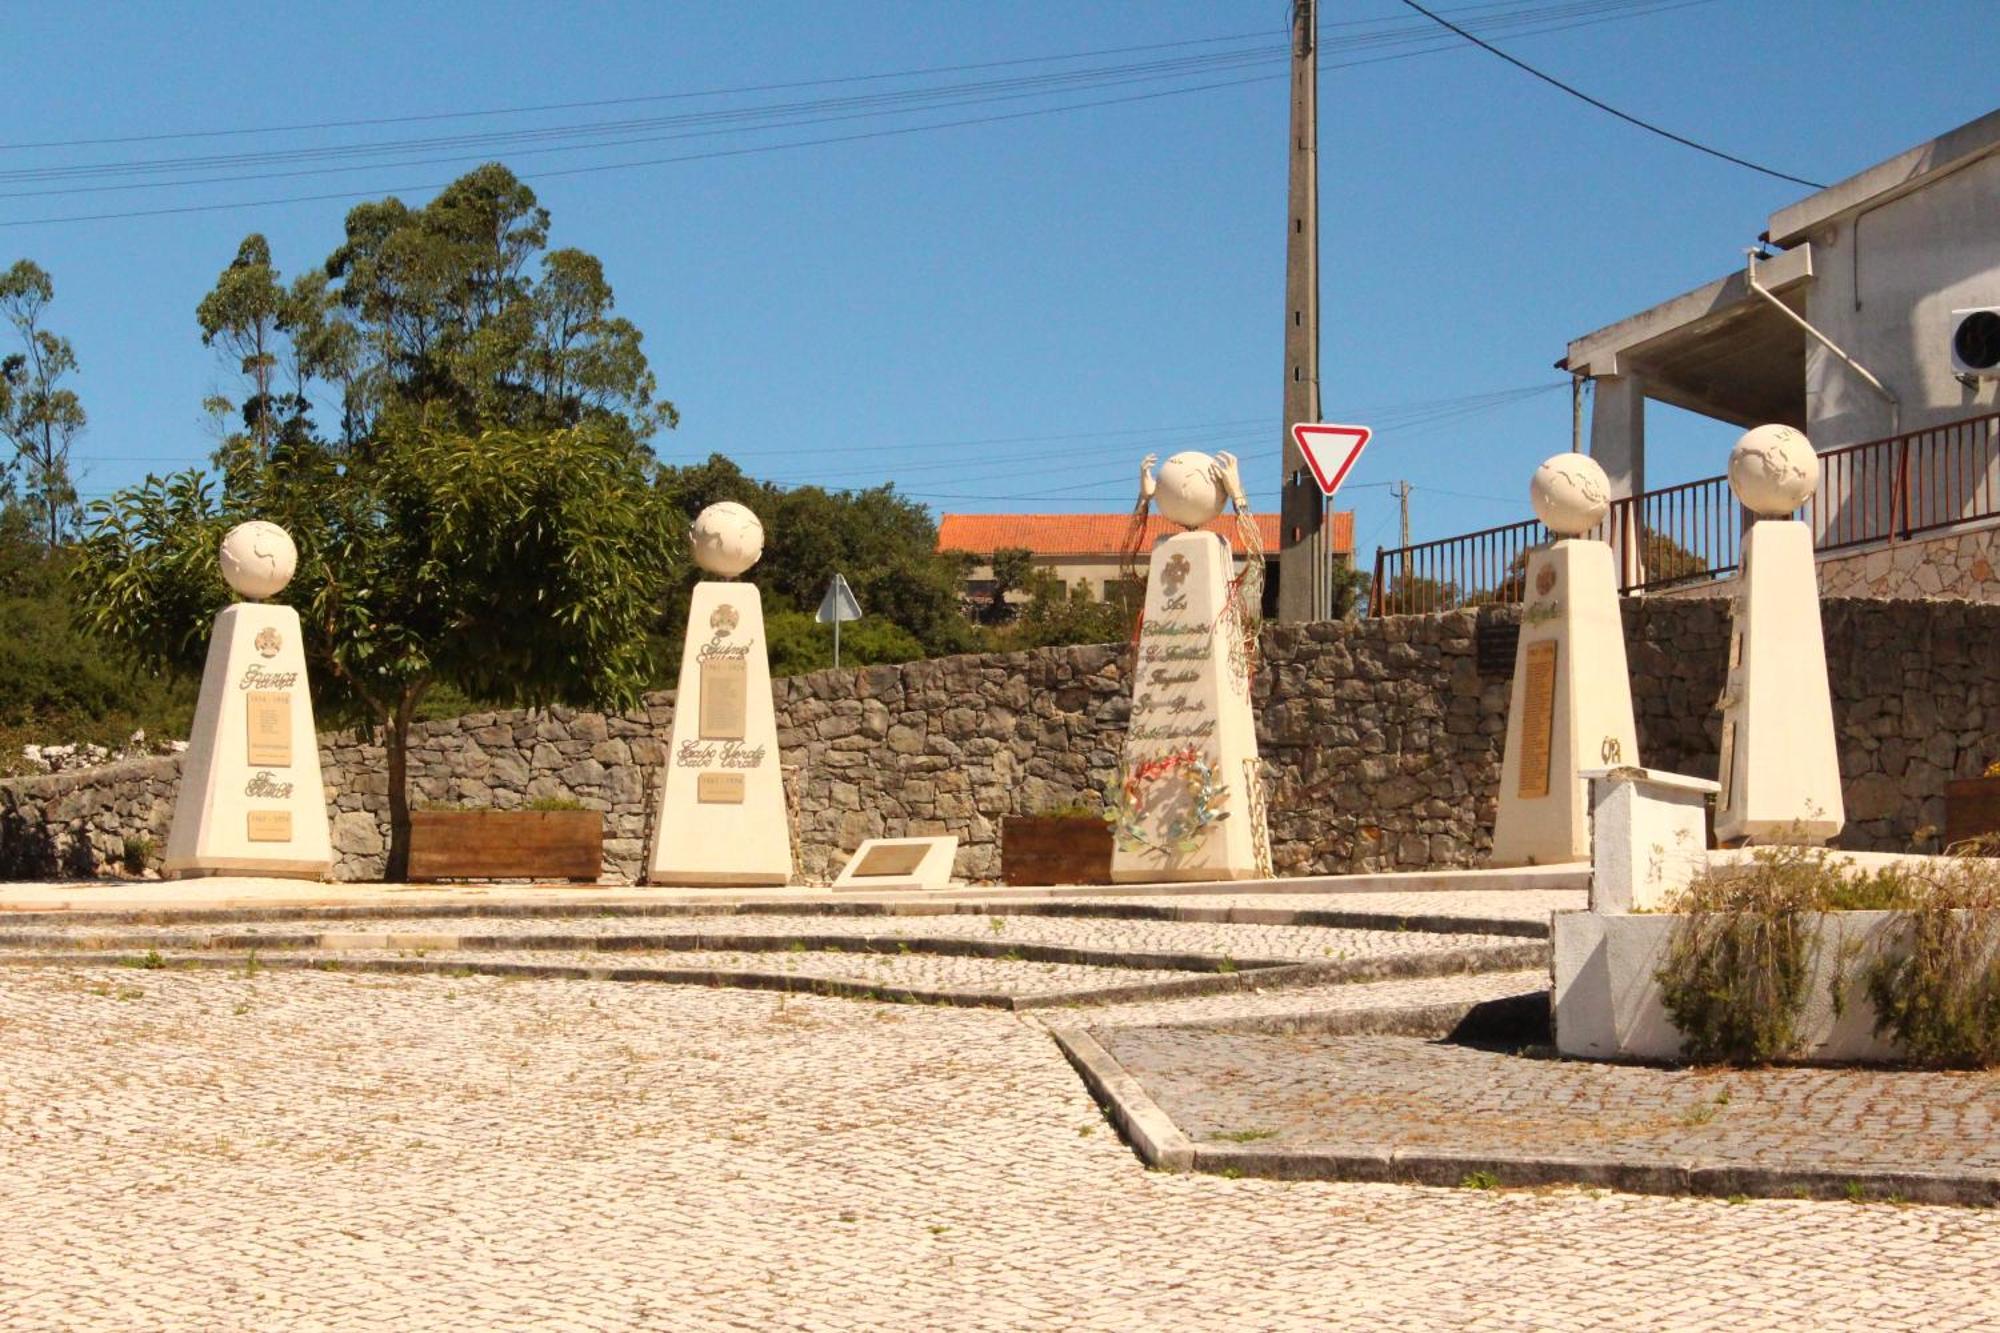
x=506 y=844
x=1608 y=1004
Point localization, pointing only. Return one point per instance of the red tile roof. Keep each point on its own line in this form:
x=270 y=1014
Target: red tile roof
x=1099 y=534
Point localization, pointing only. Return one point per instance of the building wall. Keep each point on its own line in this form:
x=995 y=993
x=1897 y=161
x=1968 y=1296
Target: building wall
x=1884 y=285
x=1382 y=740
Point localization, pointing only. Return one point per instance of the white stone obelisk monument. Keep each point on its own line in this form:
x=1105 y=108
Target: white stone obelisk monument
x=1780 y=769
x=722 y=805
x=1187 y=802
x=250 y=799
x=1571 y=708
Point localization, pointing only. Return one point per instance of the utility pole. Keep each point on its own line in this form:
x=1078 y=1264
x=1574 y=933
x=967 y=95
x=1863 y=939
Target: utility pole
x=1304 y=592
x=1401 y=490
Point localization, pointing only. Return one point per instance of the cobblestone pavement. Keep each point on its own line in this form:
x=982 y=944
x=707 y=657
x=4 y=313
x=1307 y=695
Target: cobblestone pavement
x=211 y=1151
x=1107 y=934
x=1304 y=1091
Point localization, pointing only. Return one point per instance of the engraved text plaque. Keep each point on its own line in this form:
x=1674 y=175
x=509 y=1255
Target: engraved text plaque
x=268 y=724
x=724 y=698
x=1538 y=698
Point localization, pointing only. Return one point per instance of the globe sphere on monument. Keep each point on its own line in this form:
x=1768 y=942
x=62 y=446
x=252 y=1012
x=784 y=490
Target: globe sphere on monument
x=1570 y=494
x=1188 y=492
x=727 y=539
x=258 y=559
x=1773 y=470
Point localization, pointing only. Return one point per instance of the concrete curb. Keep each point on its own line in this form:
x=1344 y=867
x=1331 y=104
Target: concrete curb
x=1441 y=1167
x=1155 y=1138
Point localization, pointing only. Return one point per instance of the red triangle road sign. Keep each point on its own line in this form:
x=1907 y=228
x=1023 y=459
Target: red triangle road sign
x=1330 y=451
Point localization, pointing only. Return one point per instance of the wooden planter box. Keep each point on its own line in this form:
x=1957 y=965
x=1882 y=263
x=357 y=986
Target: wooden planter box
x=1971 y=808
x=1055 y=849
x=506 y=844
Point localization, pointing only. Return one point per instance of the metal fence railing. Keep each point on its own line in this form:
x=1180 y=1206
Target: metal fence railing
x=1885 y=490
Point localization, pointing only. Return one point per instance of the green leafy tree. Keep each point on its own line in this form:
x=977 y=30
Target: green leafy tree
x=455 y=315
x=1057 y=613
x=885 y=543
x=1417 y=594
x=1012 y=566
x=1350 y=589
x=39 y=415
x=517 y=567
x=57 y=682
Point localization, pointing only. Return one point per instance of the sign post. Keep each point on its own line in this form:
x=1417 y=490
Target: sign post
x=836 y=606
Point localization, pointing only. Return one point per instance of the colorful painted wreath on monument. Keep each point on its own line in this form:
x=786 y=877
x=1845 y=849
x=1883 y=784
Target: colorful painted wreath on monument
x=1134 y=791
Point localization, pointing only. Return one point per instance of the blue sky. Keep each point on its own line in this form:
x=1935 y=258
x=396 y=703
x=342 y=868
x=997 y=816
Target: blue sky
x=1000 y=316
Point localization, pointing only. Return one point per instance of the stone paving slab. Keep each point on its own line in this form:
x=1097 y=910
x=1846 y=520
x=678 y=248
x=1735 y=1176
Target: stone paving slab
x=334 y=1151
x=1384 y=1102
x=1107 y=935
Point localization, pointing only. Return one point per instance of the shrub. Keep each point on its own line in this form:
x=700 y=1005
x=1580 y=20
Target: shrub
x=1940 y=997
x=137 y=853
x=1736 y=970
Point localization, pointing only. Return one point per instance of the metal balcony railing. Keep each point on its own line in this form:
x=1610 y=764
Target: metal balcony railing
x=1885 y=490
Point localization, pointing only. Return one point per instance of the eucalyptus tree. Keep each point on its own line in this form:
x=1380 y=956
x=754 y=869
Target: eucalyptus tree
x=40 y=416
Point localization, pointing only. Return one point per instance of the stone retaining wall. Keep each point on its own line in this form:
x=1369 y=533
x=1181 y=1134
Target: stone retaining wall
x=1382 y=742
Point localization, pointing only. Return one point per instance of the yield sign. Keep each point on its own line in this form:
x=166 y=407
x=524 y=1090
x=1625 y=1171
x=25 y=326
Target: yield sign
x=1330 y=451
x=838 y=604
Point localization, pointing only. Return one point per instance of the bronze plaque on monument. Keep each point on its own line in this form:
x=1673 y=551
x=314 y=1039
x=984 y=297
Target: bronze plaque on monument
x=892 y=858
x=270 y=825
x=268 y=725
x=725 y=689
x=1538 y=700
x=718 y=788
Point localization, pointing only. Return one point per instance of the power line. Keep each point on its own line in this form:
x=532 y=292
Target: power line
x=1648 y=126
x=747 y=151
x=1531 y=20
x=1511 y=14
x=626 y=101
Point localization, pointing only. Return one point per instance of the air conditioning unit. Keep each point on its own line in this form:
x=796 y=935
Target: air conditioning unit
x=1975 y=342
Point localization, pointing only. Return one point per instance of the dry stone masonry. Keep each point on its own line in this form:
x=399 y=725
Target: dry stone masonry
x=1381 y=742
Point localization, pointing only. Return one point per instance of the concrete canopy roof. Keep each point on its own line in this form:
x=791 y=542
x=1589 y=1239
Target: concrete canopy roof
x=1906 y=171
x=1720 y=350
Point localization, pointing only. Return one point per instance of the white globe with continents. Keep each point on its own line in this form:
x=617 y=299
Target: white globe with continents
x=1570 y=494
x=258 y=559
x=727 y=539
x=1773 y=470
x=1189 y=492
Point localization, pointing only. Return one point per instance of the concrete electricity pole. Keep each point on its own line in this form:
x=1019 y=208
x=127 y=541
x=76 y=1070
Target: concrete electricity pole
x=1304 y=591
